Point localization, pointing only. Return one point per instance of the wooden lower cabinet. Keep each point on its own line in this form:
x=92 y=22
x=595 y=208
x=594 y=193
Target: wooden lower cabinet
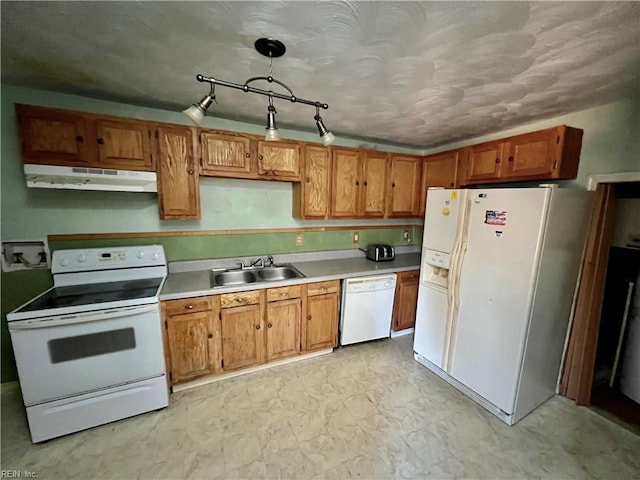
x=406 y=300
x=192 y=338
x=242 y=334
x=321 y=324
x=283 y=329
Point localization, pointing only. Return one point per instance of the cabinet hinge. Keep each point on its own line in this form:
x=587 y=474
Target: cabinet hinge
x=555 y=164
x=220 y=316
x=166 y=326
x=170 y=377
x=222 y=363
x=157 y=134
x=558 y=139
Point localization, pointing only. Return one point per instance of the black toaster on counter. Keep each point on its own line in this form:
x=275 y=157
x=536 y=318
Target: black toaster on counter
x=380 y=252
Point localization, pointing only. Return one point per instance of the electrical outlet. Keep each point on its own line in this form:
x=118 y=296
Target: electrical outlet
x=298 y=239
x=405 y=235
x=356 y=237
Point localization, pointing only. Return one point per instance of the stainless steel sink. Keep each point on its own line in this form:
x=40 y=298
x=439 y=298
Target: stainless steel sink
x=236 y=276
x=231 y=277
x=283 y=272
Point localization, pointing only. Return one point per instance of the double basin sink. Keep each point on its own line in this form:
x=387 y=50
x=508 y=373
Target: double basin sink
x=240 y=276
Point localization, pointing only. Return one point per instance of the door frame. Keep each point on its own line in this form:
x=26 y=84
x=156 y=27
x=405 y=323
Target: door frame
x=576 y=377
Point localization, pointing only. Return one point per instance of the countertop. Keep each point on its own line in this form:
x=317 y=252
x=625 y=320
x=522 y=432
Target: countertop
x=196 y=283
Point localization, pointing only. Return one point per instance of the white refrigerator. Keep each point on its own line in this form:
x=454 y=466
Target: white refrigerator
x=497 y=281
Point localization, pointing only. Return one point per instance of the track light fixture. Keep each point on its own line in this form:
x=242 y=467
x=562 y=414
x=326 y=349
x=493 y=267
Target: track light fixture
x=269 y=48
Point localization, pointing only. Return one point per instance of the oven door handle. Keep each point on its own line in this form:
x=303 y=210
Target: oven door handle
x=87 y=317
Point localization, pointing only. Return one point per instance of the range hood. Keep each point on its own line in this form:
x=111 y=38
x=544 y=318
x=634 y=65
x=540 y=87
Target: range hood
x=81 y=178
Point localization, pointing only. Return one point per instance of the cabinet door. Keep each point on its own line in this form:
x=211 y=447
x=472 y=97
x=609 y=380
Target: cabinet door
x=321 y=324
x=279 y=160
x=53 y=137
x=123 y=145
x=405 y=186
x=242 y=337
x=283 y=329
x=485 y=162
x=438 y=170
x=178 y=190
x=191 y=345
x=311 y=196
x=406 y=299
x=345 y=182
x=531 y=155
x=225 y=155
x=373 y=199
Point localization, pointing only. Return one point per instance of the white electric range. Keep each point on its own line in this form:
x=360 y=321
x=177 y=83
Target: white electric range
x=90 y=350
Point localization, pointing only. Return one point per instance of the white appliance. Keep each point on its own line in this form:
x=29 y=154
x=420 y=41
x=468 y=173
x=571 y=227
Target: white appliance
x=367 y=307
x=90 y=350
x=630 y=371
x=498 y=273
x=88 y=178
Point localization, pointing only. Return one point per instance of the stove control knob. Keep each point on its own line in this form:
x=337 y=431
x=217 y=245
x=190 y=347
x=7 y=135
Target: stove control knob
x=387 y=284
x=81 y=258
x=155 y=256
x=140 y=254
x=64 y=262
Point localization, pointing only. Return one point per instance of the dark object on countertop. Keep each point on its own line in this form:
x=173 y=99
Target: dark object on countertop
x=380 y=252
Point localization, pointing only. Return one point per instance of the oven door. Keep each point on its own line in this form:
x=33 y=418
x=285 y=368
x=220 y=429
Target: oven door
x=68 y=355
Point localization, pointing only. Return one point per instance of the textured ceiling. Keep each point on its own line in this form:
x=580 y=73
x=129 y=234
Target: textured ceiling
x=411 y=73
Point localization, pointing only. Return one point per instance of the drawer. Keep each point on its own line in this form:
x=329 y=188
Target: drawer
x=409 y=275
x=188 y=305
x=284 y=293
x=322 y=288
x=228 y=300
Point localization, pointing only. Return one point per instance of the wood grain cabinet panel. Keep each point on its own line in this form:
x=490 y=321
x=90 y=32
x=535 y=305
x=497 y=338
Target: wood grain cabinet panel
x=373 y=198
x=404 y=186
x=192 y=339
x=345 y=182
x=225 y=155
x=242 y=337
x=54 y=137
x=279 y=160
x=311 y=195
x=178 y=189
x=485 y=161
x=124 y=145
x=283 y=328
x=405 y=300
x=320 y=325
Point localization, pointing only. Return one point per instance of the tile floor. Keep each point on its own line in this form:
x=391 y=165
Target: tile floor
x=366 y=411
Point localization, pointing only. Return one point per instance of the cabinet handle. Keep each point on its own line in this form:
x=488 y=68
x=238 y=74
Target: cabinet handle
x=240 y=300
x=284 y=294
x=307 y=179
x=260 y=157
x=100 y=141
x=210 y=335
x=79 y=139
x=393 y=185
x=269 y=325
x=257 y=327
x=451 y=184
x=497 y=160
x=357 y=183
x=511 y=159
x=189 y=307
x=247 y=154
x=365 y=183
x=308 y=317
x=323 y=289
x=190 y=172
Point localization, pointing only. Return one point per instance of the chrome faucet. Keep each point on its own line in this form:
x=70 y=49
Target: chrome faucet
x=257 y=263
x=269 y=262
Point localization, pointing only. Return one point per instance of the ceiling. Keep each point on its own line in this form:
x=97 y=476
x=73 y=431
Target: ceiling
x=418 y=74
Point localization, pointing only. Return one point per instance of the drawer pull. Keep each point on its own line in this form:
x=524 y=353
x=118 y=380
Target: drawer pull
x=269 y=325
x=308 y=317
x=210 y=335
x=188 y=307
x=247 y=154
x=241 y=299
x=257 y=327
x=284 y=294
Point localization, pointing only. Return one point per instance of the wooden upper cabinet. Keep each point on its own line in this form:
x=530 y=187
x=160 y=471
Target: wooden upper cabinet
x=373 y=197
x=226 y=155
x=439 y=170
x=311 y=195
x=279 y=160
x=549 y=154
x=54 y=137
x=124 y=145
x=345 y=182
x=404 y=185
x=553 y=153
x=485 y=161
x=178 y=186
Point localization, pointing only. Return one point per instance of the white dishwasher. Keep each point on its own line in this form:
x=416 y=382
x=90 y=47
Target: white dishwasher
x=367 y=307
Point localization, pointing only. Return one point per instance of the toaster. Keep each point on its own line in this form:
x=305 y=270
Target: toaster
x=380 y=253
